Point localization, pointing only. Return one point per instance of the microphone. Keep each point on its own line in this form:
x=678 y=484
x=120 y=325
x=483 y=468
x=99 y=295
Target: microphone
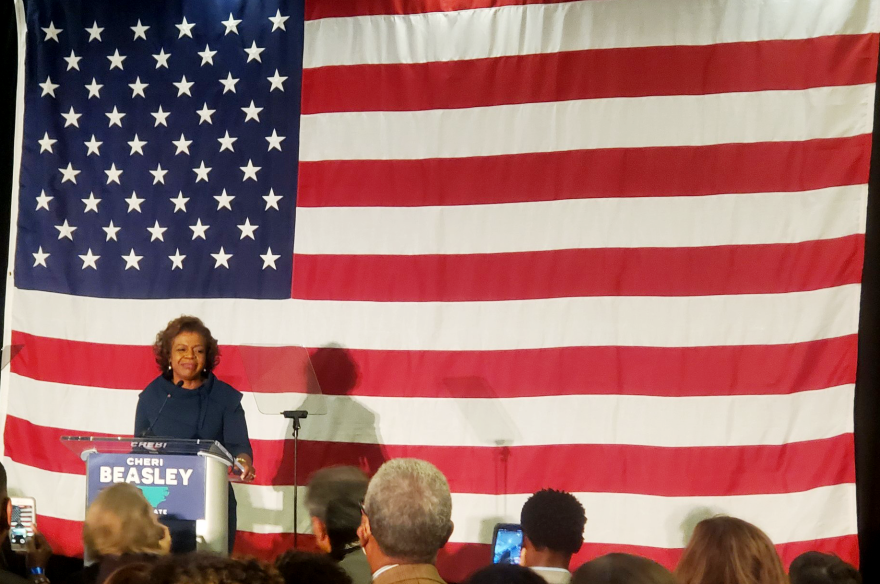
x=146 y=432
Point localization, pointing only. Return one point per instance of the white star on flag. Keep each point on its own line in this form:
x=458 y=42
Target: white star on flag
x=275 y=140
x=140 y=31
x=116 y=60
x=91 y=203
x=162 y=58
x=43 y=201
x=179 y=202
x=226 y=142
x=198 y=229
x=278 y=21
x=137 y=145
x=89 y=260
x=132 y=260
x=277 y=81
x=113 y=174
x=111 y=231
x=177 y=259
x=72 y=61
x=202 y=172
x=157 y=231
x=182 y=144
x=247 y=230
x=221 y=258
x=229 y=83
x=40 y=257
x=137 y=88
x=94 y=146
x=224 y=200
x=158 y=174
x=161 y=117
x=94 y=89
x=254 y=53
x=231 y=25
x=134 y=203
x=71 y=118
x=52 y=32
x=185 y=29
x=46 y=142
x=95 y=32
x=207 y=56
x=205 y=114
x=115 y=117
x=252 y=112
x=48 y=87
x=250 y=171
x=65 y=230
x=272 y=200
x=183 y=86
x=269 y=259
x=69 y=173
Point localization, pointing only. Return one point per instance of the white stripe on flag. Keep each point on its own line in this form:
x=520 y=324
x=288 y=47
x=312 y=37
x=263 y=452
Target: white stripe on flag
x=613 y=517
x=688 y=120
x=751 y=319
x=757 y=218
x=741 y=420
x=573 y=26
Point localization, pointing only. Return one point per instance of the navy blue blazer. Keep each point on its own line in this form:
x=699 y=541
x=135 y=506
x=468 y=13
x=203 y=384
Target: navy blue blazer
x=211 y=412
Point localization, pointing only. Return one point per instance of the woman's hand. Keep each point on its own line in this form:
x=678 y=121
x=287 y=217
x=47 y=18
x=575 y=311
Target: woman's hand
x=248 y=473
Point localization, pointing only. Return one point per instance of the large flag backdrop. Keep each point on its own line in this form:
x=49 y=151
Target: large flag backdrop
x=612 y=247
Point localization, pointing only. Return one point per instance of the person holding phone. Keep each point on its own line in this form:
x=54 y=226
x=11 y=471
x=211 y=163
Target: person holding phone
x=187 y=400
x=37 y=549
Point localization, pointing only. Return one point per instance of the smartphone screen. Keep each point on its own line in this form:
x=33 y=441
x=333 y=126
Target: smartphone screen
x=507 y=543
x=21 y=522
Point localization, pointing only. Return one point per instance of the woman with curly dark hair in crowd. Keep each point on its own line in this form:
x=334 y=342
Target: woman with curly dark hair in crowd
x=727 y=550
x=186 y=400
x=198 y=568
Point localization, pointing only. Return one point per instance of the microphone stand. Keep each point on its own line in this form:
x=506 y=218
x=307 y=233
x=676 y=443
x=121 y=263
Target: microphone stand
x=296 y=416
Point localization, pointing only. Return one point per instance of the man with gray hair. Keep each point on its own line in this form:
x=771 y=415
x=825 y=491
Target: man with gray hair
x=334 y=497
x=407 y=518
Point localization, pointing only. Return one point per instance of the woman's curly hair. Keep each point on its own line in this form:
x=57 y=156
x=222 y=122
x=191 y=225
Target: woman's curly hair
x=185 y=324
x=208 y=568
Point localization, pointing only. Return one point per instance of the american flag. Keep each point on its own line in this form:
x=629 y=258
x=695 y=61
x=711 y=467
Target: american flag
x=612 y=247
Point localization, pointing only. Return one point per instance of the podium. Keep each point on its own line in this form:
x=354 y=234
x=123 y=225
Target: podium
x=182 y=479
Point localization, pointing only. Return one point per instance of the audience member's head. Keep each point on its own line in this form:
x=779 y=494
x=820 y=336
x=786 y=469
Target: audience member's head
x=298 y=567
x=727 y=550
x=208 y=568
x=622 y=569
x=334 y=500
x=504 y=574
x=819 y=568
x=5 y=509
x=121 y=521
x=407 y=514
x=134 y=573
x=553 y=529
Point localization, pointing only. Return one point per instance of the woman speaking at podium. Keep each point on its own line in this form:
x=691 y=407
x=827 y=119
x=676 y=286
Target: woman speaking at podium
x=186 y=400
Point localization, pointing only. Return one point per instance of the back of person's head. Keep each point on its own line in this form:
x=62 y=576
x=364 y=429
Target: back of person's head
x=4 y=500
x=334 y=498
x=298 y=567
x=505 y=574
x=819 y=568
x=121 y=521
x=727 y=550
x=554 y=520
x=4 y=485
x=208 y=568
x=409 y=510
x=622 y=569
x=134 y=573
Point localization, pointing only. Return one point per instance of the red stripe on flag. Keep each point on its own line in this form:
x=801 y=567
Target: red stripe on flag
x=611 y=468
x=701 y=271
x=317 y=9
x=658 y=371
x=672 y=70
x=583 y=174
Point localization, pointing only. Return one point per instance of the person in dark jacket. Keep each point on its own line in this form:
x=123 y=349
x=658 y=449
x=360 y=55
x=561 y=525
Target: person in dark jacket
x=186 y=400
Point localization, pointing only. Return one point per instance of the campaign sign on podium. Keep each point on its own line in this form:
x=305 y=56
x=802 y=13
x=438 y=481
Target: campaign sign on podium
x=173 y=484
